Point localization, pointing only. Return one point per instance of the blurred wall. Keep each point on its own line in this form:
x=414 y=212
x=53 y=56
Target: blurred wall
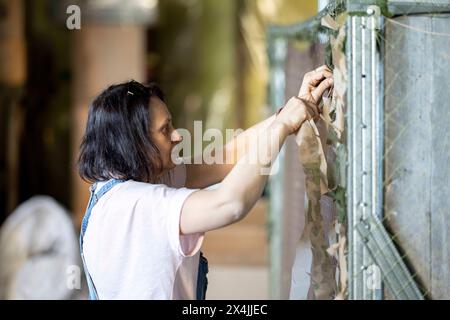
x=12 y=79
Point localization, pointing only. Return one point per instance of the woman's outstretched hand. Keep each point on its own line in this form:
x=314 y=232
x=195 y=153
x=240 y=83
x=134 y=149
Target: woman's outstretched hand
x=315 y=83
x=306 y=105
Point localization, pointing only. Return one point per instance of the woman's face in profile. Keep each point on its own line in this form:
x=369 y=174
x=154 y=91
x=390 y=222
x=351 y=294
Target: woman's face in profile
x=162 y=132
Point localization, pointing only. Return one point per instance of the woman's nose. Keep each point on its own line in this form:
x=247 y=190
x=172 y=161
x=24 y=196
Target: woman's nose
x=176 y=137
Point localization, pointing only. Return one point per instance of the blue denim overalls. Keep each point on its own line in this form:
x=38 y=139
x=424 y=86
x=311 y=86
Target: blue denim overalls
x=202 y=281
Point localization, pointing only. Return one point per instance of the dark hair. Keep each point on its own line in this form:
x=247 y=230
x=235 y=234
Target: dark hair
x=117 y=142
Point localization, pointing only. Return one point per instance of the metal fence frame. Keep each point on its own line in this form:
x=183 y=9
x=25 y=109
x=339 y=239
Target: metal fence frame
x=373 y=260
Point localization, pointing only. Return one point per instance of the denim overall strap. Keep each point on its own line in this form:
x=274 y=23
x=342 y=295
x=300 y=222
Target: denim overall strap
x=202 y=280
x=92 y=201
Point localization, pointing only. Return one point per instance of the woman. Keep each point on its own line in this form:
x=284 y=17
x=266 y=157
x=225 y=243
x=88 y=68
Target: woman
x=147 y=216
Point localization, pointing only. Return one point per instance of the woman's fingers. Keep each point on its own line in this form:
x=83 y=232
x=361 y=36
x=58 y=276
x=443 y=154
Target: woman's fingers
x=324 y=70
x=313 y=78
x=322 y=67
x=318 y=76
x=320 y=89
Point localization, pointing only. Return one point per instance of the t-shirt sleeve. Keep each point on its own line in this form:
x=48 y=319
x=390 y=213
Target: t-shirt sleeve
x=185 y=245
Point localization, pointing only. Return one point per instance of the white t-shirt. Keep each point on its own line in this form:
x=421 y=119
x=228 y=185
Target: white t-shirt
x=133 y=247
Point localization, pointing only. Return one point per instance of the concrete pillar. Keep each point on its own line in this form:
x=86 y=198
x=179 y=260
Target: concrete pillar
x=108 y=49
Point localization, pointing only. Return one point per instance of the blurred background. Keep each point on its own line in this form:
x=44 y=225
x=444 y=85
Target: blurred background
x=209 y=57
